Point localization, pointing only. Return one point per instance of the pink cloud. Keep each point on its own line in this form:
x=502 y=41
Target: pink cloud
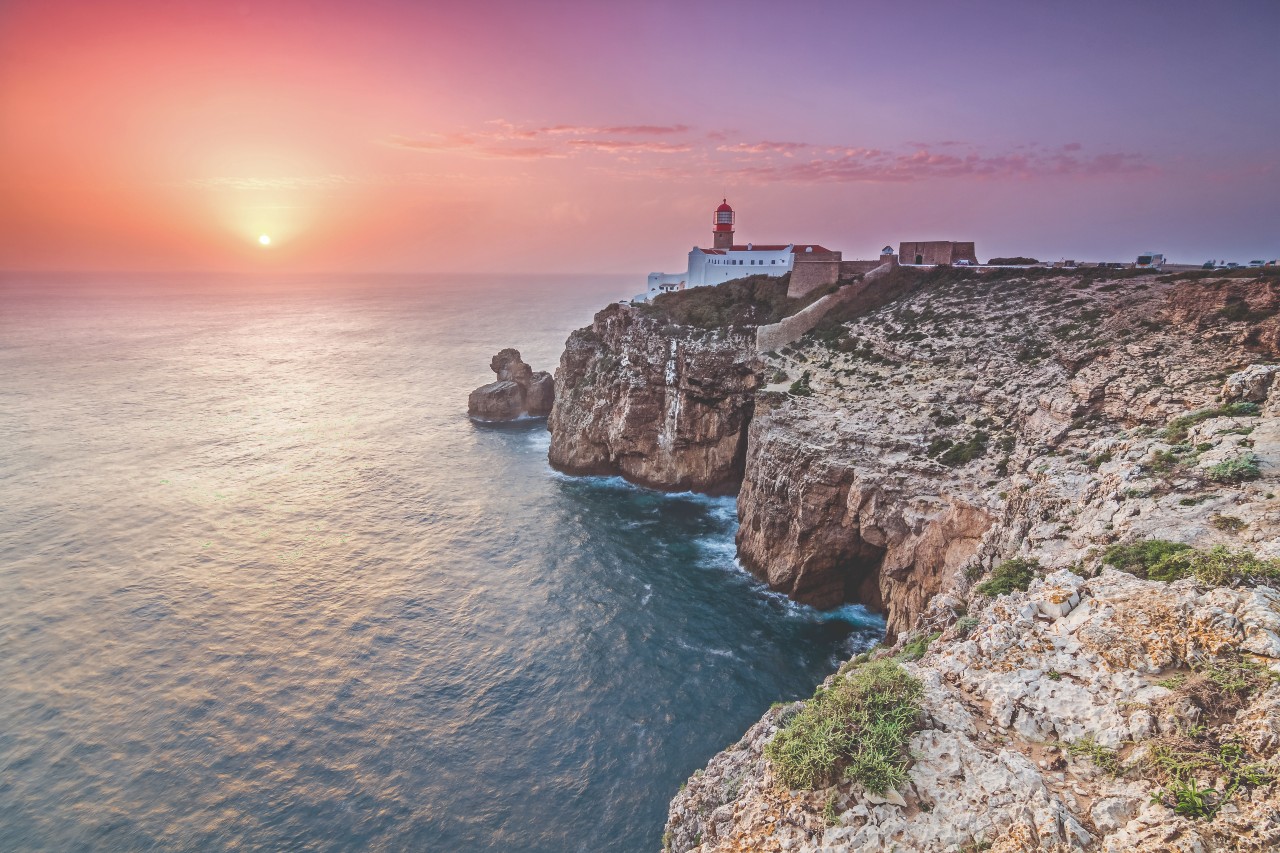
x=631 y=146
x=786 y=149
x=778 y=161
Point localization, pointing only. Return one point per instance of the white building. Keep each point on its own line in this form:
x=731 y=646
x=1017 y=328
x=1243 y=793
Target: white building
x=724 y=260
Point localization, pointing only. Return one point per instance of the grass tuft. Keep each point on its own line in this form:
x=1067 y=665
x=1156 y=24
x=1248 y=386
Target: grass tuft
x=856 y=729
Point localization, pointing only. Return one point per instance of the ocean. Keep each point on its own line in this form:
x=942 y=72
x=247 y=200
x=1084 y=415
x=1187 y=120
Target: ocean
x=264 y=586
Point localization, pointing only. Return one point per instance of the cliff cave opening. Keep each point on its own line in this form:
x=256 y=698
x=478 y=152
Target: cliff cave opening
x=861 y=574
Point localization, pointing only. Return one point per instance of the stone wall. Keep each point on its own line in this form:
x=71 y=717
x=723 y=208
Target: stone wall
x=813 y=270
x=936 y=252
x=849 y=269
x=794 y=327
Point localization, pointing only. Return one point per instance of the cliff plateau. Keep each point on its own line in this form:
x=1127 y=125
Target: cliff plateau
x=1061 y=490
x=1039 y=429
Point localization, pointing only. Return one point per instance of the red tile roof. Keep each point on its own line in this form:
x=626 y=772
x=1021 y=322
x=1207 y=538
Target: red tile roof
x=772 y=247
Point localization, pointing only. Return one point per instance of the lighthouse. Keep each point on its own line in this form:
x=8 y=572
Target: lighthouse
x=722 y=233
x=811 y=266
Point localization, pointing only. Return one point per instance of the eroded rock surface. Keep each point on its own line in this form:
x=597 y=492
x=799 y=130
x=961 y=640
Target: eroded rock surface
x=665 y=407
x=962 y=424
x=518 y=391
x=993 y=769
x=1046 y=420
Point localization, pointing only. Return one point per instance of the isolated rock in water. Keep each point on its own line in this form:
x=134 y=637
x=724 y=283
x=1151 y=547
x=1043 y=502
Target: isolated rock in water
x=541 y=394
x=497 y=401
x=518 y=391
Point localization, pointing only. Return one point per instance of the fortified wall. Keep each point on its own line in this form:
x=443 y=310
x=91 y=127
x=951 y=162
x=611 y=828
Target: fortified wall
x=813 y=270
x=937 y=253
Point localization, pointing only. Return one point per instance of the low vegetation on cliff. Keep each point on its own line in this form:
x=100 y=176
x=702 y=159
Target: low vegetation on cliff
x=1108 y=688
x=756 y=300
x=856 y=729
x=1161 y=560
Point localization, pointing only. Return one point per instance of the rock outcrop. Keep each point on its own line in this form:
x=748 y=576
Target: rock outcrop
x=961 y=424
x=518 y=391
x=665 y=407
x=1044 y=420
x=1042 y=722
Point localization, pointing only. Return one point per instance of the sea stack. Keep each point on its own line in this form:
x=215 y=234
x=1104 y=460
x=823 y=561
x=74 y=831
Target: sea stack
x=518 y=391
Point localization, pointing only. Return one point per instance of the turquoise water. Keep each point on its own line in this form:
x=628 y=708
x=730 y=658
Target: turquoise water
x=264 y=586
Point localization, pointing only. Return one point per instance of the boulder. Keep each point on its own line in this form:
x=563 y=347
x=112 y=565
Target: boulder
x=540 y=394
x=508 y=365
x=1250 y=385
x=518 y=392
x=497 y=401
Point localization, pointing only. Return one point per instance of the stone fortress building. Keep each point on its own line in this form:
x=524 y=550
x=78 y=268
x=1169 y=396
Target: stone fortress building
x=936 y=253
x=811 y=266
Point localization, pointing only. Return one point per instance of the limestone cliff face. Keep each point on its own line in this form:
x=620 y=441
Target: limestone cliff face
x=1072 y=661
x=958 y=425
x=1044 y=420
x=663 y=406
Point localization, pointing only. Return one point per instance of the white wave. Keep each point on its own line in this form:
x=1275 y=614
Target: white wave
x=722 y=653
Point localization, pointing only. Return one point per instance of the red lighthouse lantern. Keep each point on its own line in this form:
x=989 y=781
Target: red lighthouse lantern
x=723 y=226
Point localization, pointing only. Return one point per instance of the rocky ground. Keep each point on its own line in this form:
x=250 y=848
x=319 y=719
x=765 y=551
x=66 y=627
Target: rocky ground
x=963 y=424
x=901 y=457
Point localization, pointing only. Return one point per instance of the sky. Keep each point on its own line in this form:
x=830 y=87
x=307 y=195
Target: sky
x=545 y=136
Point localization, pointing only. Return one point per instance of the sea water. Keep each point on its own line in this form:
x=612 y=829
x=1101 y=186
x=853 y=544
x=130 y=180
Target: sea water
x=264 y=586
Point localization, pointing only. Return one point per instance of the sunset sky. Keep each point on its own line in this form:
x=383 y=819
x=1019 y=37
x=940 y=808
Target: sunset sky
x=598 y=136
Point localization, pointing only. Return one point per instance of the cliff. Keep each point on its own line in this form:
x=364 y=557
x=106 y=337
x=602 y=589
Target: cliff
x=963 y=423
x=1061 y=489
x=979 y=459
x=662 y=405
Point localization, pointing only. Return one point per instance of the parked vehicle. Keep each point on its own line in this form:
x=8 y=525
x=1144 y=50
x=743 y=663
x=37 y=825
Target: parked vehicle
x=1150 y=261
x=963 y=263
x=1257 y=263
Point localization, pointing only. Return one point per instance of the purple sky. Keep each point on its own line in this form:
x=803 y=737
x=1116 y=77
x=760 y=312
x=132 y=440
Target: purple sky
x=598 y=136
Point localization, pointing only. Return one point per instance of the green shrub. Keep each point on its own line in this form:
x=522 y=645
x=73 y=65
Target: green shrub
x=1018 y=261
x=1218 y=566
x=800 y=388
x=1237 y=470
x=1176 y=431
x=955 y=454
x=966 y=624
x=1157 y=559
x=1139 y=557
x=856 y=729
x=1098 y=461
x=1010 y=575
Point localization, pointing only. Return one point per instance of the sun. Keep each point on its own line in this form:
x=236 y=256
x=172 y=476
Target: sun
x=264 y=240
